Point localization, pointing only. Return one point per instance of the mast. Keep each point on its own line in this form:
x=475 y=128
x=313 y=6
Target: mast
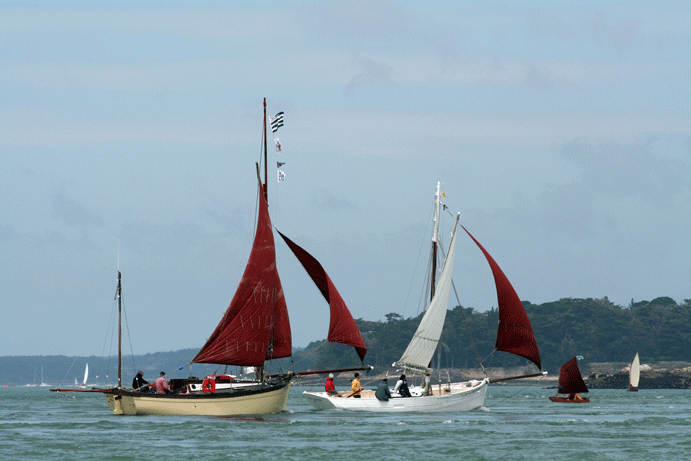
x=260 y=369
x=119 y=296
x=435 y=241
x=266 y=190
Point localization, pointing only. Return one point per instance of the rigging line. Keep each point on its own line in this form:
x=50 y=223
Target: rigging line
x=509 y=396
x=417 y=264
x=472 y=341
x=310 y=354
x=129 y=337
x=68 y=371
x=85 y=341
x=105 y=341
x=491 y=354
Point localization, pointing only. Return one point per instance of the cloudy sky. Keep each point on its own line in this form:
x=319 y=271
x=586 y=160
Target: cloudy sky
x=129 y=133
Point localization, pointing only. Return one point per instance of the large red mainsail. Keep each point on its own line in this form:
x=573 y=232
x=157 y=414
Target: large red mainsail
x=255 y=326
x=514 y=334
x=342 y=327
x=570 y=379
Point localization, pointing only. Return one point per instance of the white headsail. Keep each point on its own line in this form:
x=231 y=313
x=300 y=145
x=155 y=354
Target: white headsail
x=425 y=340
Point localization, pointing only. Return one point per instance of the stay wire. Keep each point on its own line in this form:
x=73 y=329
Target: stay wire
x=467 y=327
x=310 y=353
x=508 y=396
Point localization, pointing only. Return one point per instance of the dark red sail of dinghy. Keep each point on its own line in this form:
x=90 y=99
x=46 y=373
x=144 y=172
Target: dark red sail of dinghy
x=342 y=327
x=255 y=326
x=570 y=379
x=515 y=334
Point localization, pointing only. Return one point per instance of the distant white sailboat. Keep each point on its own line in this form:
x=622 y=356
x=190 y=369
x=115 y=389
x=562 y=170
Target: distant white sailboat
x=86 y=376
x=42 y=383
x=634 y=374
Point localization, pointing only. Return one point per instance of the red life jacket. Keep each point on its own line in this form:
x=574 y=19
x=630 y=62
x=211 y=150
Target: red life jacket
x=329 y=385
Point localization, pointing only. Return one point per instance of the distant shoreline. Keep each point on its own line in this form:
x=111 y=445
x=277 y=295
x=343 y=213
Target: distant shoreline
x=662 y=375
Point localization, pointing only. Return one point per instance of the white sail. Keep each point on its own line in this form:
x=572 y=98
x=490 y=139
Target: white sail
x=635 y=371
x=425 y=340
x=86 y=374
x=43 y=383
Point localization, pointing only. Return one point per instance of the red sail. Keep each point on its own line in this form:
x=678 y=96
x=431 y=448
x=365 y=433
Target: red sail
x=515 y=334
x=255 y=326
x=342 y=327
x=570 y=379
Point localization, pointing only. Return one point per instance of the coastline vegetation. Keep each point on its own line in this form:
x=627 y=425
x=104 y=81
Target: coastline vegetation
x=596 y=329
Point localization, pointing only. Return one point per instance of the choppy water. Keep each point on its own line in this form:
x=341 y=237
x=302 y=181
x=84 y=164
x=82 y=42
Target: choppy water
x=520 y=423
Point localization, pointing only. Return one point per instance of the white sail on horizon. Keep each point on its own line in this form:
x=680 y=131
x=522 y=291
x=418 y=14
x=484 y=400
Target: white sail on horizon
x=635 y=371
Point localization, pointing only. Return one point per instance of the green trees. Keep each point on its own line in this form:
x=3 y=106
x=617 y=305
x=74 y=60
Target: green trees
x=597 y=329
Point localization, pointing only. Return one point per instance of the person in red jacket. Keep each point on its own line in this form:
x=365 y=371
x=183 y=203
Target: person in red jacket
x=329 y=385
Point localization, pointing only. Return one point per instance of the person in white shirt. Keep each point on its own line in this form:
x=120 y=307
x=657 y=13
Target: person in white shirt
x=402 y=387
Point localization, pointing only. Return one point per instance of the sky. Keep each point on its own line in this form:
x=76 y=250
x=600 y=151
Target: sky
x=129 y=132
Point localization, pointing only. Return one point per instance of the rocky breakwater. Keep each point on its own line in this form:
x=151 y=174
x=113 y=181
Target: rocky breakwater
x=652 y=377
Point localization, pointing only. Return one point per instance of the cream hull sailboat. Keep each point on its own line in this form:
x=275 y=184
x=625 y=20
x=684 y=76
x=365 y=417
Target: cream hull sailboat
x=254 y=330
x=514 y=335
x=261 y=398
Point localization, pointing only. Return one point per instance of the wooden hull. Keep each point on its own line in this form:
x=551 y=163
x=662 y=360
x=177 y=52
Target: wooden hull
x=249 y=400
x=567 y=400
x=457 y=397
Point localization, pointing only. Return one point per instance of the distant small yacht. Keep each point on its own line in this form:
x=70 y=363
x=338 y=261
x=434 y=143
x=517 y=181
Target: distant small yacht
x=42 y=383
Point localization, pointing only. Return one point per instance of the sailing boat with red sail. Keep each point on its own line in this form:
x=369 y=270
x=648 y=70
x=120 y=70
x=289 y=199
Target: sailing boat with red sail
x=571 y=383
x=254 y=329
x=514 y=335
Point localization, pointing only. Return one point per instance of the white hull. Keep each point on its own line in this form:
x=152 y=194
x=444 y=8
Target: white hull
x=270 y=399
x=459 y=397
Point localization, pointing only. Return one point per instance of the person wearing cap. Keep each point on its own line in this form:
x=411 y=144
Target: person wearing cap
x=329 y=385
x=161 y=384
x=356 y=387
x=139 y=383
x=383 y=393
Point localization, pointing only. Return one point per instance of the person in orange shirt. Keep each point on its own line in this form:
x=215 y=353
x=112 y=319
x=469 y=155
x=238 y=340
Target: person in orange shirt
x=356 y=387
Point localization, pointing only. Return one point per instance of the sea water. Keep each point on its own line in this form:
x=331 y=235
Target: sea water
x=517 y=423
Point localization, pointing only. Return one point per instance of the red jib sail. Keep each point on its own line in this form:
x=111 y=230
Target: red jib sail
x=342 y=327
x=515 y=334
x=255 y=326
x=570 y=379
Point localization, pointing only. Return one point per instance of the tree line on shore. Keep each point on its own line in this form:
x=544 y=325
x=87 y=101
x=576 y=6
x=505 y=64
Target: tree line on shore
x=596 y=329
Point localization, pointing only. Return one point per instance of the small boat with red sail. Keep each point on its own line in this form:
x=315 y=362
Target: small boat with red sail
x=571 y=384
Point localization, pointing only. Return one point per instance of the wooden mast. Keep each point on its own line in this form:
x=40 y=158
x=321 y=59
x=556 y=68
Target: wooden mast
x=119 y=295
x=260 y=369
x=266 y=187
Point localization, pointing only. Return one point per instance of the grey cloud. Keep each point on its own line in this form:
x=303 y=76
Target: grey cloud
x=75 y=215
